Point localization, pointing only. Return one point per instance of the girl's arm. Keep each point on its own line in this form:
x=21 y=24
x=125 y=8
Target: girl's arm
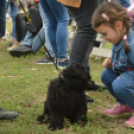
x=107 y=63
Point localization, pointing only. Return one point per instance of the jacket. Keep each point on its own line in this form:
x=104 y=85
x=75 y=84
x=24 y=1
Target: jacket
x=123 y=62
x=71 y=3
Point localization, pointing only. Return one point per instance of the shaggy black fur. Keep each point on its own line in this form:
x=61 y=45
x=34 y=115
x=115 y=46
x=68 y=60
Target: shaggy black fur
x=66 y=97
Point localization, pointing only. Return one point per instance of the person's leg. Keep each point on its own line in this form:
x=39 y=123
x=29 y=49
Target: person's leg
x=28 y=39
x=45 y=26
x=52 y=24
x=4 y=115
x=2 y=17
x=57 y=26
x=36 y=42
x=13 y=10
x=83 y=41
x=25 y=46
x=30 y=44
x=123 y=88
x=109 y=78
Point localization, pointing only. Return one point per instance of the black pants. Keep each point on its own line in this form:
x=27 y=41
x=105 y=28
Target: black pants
x=83 y=41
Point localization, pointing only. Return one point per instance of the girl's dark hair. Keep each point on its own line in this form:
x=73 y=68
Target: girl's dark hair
x=114 y=12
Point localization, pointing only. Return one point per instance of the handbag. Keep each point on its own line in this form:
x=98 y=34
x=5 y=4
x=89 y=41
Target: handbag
x=34 y=15
x=71 y=3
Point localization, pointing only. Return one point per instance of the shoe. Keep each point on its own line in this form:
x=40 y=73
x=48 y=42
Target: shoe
x=45 y=60
x=95 y=86
x=63 y=65
x=21 y=50
x=118 y=109
x=7 y=115
x=130 y=122
x=88 y=99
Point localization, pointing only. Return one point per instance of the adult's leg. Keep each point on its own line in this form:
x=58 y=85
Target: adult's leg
x=36 y=42
x=84 y=38
x=4 y=115
x=2 y=17
x=13 y=9
x=28 y=39
x=45 y=26
x=57 y=26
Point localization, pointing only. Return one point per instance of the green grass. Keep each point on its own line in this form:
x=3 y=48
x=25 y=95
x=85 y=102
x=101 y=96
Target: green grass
x=23 y=88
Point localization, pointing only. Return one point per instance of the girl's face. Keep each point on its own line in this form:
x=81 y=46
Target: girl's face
x=112 y=35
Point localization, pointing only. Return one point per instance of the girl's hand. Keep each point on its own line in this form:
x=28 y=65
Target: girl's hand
x=107 y=63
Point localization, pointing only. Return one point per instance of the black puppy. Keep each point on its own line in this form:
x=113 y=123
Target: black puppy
x=66 y=97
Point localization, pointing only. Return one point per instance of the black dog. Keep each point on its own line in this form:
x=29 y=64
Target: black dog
x=66 y=97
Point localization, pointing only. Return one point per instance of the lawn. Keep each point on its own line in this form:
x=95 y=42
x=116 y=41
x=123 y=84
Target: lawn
x=23 y=88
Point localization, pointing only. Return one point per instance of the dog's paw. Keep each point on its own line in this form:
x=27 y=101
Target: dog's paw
x=41 y=118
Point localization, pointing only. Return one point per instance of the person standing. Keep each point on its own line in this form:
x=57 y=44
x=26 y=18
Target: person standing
x=83 y=41
x=4 y=114
x=57 y=26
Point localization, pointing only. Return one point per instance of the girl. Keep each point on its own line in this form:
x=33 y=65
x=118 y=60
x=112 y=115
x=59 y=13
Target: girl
x=111 y=20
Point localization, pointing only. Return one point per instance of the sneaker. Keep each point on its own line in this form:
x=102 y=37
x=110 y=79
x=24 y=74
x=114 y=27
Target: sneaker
x=7 y=115
x=63 y=65
x=95 y=86
x=130 y=122
x=45 y=60
x=118 y=109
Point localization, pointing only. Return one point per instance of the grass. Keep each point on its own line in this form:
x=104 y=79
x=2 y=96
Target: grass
x=23 y=88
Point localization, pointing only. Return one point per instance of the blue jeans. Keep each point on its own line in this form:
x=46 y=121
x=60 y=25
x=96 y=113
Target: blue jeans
x=58 y=19
x=45 y=24
x=2 y=17
x=125 y=3
x=13 y=11
x=33 y=40
x=122 y=88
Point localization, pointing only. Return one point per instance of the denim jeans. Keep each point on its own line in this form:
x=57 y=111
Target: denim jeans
x=2 y=17
x=32 y=40
x=13 y=11
x=45 y=24
x=121 y=88
x=83 y=41
x=58 y=19
x=125 y=3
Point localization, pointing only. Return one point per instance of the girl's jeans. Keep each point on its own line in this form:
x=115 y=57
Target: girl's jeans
x=2 y=17
x=58 y=19
x=13 y=11
x=121 y=88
